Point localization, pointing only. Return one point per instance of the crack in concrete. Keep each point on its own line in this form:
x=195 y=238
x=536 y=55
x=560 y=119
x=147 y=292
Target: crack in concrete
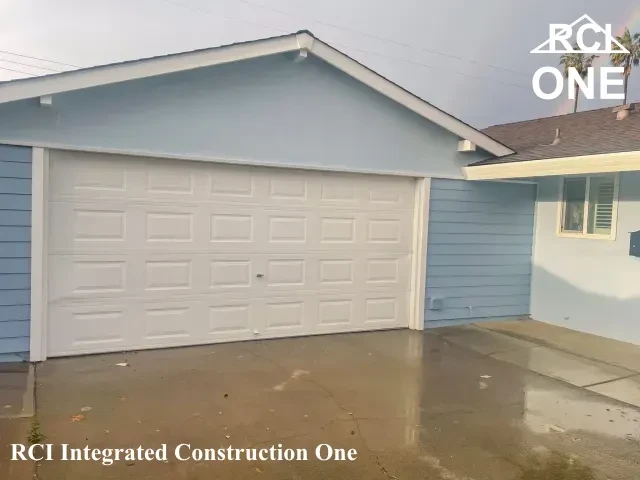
x=610 y=381
x=331 y=395
x=299 y=435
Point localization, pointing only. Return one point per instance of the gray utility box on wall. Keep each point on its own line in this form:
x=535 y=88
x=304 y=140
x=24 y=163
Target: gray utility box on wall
x=634 y=244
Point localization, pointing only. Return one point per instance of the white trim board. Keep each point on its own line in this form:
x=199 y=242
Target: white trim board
x=39 y=203
x=419 y=266
x=585 y=164
x=303 y=41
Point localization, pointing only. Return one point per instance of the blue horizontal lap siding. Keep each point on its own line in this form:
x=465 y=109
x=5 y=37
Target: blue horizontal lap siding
x=15 y=252
x=479 y=270
x=479 y=249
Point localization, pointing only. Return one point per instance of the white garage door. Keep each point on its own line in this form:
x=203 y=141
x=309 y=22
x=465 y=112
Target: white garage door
x=150 y=253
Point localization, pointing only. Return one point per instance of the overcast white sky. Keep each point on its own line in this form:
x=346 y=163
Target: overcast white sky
x=396 y=38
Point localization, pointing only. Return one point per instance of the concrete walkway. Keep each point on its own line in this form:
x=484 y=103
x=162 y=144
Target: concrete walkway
x=602 y=365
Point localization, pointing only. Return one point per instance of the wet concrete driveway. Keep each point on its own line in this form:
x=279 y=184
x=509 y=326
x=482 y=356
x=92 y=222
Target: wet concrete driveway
x=414 y=405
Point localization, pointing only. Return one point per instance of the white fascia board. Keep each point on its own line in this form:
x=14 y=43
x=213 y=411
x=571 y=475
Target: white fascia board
x=586 y=164
x=108 y=74
x=403 y=97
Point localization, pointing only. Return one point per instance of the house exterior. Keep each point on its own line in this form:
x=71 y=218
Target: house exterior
x=258 y=190
x=279 y=188
x=586 y=263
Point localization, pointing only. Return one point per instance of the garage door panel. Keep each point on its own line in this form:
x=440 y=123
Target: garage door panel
x=171 y=180
x=385 y=310
x=388 y=270
x=287 y=316
x=229 y=319
x=148 y=253
x=168 y=275
x=71 y=175
x=389 y=232
x=169 y=323
x=338 y=230
x=167 y=225
x=290 y=228
x=289 y=187
x=395 y=194
x=89 y=276
x=231 y=273
x=88 y=226
x=87 y=329
x=233 y=184
x=337 y=191
x=338 y=313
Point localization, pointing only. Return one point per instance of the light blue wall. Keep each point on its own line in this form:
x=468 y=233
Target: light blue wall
x=479 y=250
x=586 y=284
x=15 y=252
x=266 y=110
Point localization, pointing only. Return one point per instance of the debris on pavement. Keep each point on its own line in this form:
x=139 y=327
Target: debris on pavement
x=483 y=385
x=556 y=428
x=485 y=376
x=122 y=364
x=85 y=409
x=77 y=418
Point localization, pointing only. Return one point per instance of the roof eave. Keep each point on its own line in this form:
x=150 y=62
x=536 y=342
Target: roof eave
x=301 y=41
x=150 y=67
x=584 y=164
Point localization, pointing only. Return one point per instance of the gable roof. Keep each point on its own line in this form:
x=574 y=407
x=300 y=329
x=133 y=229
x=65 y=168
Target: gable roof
x=303 y=42
x=593 y=132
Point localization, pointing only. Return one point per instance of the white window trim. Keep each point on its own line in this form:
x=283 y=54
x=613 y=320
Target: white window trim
x=584 y=234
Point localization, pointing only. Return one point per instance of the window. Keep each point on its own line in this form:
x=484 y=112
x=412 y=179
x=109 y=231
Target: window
x=589 y=206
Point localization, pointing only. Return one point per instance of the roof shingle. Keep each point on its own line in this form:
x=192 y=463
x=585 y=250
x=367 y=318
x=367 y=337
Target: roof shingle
x=591 y=132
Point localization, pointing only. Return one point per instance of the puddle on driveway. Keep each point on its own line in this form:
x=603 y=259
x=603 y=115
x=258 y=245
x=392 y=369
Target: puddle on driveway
x=414 y=405
x=15 y=389
x=546 y=408
x=557 y=467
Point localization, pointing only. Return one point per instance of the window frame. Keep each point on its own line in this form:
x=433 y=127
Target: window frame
x=614 y=208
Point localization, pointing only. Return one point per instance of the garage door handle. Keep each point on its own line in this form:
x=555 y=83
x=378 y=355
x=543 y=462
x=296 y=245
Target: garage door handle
x=259 y=275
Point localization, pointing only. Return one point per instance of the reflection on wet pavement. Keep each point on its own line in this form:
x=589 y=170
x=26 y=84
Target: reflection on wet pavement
x=557 y=467
x=413 y=404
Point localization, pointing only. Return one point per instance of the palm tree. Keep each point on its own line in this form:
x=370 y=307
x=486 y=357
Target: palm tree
x=581 y=62
x=626 y=60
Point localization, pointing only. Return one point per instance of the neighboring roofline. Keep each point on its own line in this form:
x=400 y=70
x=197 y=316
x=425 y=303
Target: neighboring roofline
x=295 y=42
x=584 y=164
